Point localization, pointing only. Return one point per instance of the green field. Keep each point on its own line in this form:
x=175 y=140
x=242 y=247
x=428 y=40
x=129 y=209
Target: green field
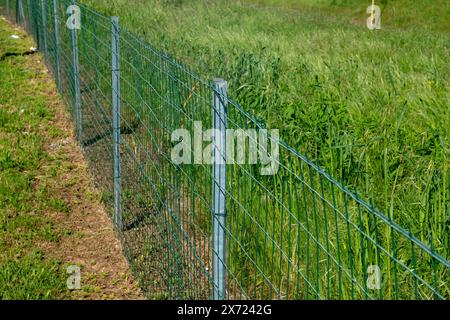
x=371 y=106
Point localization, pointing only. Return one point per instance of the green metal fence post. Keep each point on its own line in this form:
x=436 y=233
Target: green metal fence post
x=116 y=120
x=57 y=47
x=44 y=28
x=19 y=11
x=76 y=75
x=33 y=14
x=219 y=119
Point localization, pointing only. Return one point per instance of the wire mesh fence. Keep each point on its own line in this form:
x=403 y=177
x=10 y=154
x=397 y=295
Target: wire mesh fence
x=224 y=228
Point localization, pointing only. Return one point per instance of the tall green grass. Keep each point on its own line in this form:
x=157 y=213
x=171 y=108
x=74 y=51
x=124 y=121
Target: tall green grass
x=372 y=107
x=404 y=14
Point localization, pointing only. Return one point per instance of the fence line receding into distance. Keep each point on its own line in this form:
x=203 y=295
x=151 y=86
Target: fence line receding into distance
x=202 y=231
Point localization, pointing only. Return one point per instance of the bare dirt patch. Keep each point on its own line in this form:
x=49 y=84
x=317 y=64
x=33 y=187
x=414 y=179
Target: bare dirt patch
x=91 y=242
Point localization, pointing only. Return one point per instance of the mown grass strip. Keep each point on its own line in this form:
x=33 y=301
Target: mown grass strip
x=25 y=121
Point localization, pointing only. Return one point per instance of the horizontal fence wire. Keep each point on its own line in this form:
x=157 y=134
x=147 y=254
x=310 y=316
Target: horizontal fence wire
x=296 y=234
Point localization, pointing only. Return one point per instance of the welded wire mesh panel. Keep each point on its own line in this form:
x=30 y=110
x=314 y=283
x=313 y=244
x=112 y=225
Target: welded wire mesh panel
x=291 y=230
x=8 y=8
x=94 y=54
x=49 y=31
x=299 y=234
x=68 y=64
x=25 y=15
x=166 y=206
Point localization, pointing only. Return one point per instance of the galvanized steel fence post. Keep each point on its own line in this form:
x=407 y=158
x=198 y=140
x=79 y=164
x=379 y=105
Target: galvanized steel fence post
x=219 y=119
x=44 y=28
x=57 y=47
x=7 y=8
x=76 y=76
x=116 y=120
